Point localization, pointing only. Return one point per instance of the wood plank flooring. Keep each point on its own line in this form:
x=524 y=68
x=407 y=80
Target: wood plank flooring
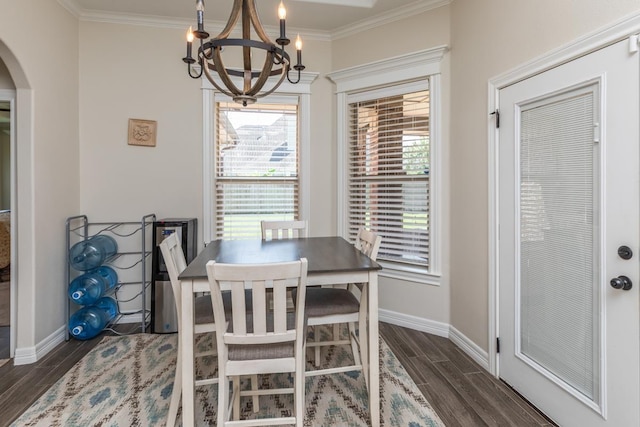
x=460 y=391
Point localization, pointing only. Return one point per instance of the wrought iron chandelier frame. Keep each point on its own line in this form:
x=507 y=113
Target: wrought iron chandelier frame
x=209 y=56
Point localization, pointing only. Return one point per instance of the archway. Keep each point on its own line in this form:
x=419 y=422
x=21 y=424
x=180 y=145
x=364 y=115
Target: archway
x=19 y=100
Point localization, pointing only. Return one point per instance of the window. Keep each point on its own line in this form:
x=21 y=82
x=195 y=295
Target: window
x=388 y=126
x=255 y=160
x=256 y=167
x=388 y=164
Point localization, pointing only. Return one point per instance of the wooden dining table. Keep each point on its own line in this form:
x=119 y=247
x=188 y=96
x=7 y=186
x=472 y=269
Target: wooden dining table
x=331 y=260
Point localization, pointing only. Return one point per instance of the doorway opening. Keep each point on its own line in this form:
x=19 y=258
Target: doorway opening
x=5 y=229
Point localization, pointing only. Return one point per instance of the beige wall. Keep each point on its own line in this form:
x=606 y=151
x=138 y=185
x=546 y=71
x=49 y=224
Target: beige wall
x=135 y=72
x=489 y=38
x=6 y=82
x=45 y=73
x=420 y=32
x=146 y=79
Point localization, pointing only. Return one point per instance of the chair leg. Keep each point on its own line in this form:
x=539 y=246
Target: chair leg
x=363 y=334
x=236 y=398
x=176 y=393
x=299 y=388
x=223 y=397
x=316 y=338
x=336 y=331
x=256 y=398
x=354 y=343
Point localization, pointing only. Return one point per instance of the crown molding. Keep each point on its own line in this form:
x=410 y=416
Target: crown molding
x=406 y=67
x=214 y=27
x=72 y=6
x=352 y=3
x=407 y=11
x=420 y=6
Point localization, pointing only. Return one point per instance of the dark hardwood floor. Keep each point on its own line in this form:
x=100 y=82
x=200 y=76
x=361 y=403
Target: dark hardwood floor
x=460 y=391
x=5 y=345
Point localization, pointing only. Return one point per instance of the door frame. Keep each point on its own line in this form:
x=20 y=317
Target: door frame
x=628 y=28
x=10 y=96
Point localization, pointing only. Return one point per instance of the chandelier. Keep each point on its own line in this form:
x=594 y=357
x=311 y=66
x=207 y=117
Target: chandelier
x=277 y=63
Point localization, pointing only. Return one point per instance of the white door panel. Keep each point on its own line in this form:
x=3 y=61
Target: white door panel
x=568 y=199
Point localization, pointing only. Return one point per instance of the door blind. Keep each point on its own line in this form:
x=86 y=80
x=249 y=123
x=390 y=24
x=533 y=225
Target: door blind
x=559 y=267
x=388 y=174
x=256 y=167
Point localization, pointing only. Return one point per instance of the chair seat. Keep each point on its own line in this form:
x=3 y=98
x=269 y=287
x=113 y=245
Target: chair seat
x=204 y=309
x=261 y=351
x=330 y=301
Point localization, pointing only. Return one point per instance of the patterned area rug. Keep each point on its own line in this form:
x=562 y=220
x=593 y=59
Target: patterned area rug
x=127 y=381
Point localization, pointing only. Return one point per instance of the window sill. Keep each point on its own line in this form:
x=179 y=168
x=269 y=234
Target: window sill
x=408 y=273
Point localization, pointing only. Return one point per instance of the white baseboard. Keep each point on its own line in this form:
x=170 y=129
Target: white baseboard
x=440 y=329
x=414 y=322
x=28 y=355
x=469 y=347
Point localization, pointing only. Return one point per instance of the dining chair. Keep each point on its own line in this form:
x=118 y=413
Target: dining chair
x=276 y=230
x=335 y=306
x=268 y=341
x=175 y=261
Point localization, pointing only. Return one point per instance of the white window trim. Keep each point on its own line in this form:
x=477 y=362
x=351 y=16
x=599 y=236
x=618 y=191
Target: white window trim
x=414 y=66
x=285 y=93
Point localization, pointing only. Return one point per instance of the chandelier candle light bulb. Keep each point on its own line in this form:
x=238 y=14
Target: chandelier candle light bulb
x=189 y=46
x=254 y=84
x=299 y=50
x=282 y=14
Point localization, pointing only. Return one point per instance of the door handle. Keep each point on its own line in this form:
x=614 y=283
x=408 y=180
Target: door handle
x=621 y=282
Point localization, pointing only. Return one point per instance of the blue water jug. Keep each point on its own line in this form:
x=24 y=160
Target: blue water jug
x=87 y=288
x=109 y=274
x=93 y=252
x=88 y=322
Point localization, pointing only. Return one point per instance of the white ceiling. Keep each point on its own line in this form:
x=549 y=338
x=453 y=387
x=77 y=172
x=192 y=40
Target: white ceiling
x=330 y=18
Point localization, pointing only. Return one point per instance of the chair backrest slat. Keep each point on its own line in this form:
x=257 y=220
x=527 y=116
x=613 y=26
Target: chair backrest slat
x=238 y=307
x=259 y=307
x=280 y=308
x=368 y=243
x=268 y=325
x=277 y=230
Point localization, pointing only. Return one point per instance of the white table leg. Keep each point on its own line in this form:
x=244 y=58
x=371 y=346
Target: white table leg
x=188 y=368
x=374 y=368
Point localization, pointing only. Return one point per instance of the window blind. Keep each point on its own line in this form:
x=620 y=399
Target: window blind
x=559 y=316
x=256 y=167
x=388 y=174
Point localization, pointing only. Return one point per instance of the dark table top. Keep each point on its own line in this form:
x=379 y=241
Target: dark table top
x=324 y=255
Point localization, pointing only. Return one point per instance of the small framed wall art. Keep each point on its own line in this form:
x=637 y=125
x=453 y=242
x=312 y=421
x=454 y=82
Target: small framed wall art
x=142 y=132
